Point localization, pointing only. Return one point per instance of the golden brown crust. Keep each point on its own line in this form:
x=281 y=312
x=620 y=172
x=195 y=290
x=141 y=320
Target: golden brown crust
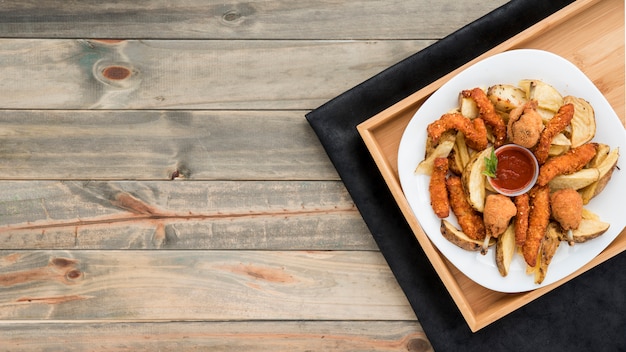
x=557 y=123
x=538 y=221
x=570 y=162
x=474 y=131
x=521 y=218
x=488 y=113
x=437 y=188
x=469 y=219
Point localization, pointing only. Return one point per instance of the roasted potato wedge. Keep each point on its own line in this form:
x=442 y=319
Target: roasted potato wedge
x=506 y=97
x=443 y=148
x=468 y=107
x=549 y=246
x=602 y=151
x=460 y=239
x=505 y=249
x=576 y=180
x=474 y=181
x=583 y=125
x=605 y=169
x=547 y=96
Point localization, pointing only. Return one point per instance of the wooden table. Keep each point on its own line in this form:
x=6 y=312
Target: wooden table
x=161 y=189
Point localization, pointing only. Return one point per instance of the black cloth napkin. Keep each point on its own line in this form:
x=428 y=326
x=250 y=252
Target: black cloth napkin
x=586 y=314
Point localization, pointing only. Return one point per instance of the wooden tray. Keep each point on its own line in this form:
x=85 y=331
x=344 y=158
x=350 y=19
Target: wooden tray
x=590 y=33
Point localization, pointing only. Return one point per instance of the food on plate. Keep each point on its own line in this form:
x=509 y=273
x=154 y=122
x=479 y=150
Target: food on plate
x=498 y=212
x=506 y=97
x=474 y=130
x=441 y=150
x=583 y=124
x=538 y=220
x=488 y=113
x=525 y=125
x=437 y=188
x=605 y=170
x=522 y=205
x=473 y=179
x=471 y=152
x=548 y=98
x=570 y=162
x=470 y=220
x=505 y=250
x=549 y=245
x=567 y=210
x=459 y=238
x=555 y=125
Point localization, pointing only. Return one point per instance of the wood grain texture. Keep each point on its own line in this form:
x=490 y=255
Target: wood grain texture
x=161 y=145
x=269 y=19
x=188 y=74
x=375 y=336
x=199 y=285
x=224 y=215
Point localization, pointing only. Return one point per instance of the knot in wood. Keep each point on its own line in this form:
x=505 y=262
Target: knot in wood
x=418 y=345
x=231 y=16
x=116 y=73
x=73 y=274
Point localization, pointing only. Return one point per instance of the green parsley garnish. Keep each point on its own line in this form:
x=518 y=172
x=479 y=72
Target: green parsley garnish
x=491 y=164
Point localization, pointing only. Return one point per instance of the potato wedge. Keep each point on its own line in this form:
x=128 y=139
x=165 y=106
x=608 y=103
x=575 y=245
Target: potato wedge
x=546 y=95
x=576 y=180
x=549 y=246
x=474 y=181
x=505 y=249
x=602 y=151
x=506 y=97
x=583 y=125
x=605 y=169
x=443 y=148
x=460 y=239
x=468 y=107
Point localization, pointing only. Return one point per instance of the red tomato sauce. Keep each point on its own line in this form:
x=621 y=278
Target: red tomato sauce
x=515 y=169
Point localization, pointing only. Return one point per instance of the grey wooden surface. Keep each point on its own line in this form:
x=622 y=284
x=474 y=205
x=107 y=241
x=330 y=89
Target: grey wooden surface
x=160 y=188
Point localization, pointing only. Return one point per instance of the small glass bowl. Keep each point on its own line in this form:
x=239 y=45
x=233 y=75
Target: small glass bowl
x=512 y=192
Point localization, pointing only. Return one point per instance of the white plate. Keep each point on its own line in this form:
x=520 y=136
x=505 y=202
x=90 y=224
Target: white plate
x=510 y=67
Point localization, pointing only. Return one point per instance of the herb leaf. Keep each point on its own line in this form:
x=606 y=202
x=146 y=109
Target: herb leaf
x=491 y=164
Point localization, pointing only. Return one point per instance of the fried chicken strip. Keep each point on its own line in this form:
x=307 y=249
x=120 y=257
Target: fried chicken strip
x=487 y=112
x=570 y=162
x=538 y=220
x=475 y=131
x=557 y=123
x=521 y=218
x=469 y=219
x=438 y=190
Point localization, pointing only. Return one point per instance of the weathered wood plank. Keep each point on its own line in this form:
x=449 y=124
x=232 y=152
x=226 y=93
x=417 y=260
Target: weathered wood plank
x=375 y=336
x=188 y=74
x=199 y=145
x=198 y=285
x=393 y=19
x=180 y=215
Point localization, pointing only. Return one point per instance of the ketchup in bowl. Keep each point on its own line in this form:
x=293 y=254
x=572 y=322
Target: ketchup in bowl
x=516 y=172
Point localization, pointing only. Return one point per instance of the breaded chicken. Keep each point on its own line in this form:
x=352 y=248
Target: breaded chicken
x=437 y=188
x=567 y=208
x=487 y=112
x=525 y=125
x=557 y=123
x=521 y=218
x=498 y=212
x=470 y=220
x=570 y=162
x=538 y=221
x=475 y=131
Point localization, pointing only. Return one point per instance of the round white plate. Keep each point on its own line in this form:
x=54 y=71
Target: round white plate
x=510 y=67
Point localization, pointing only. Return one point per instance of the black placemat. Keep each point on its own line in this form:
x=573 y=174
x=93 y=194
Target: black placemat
x=586 y=314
